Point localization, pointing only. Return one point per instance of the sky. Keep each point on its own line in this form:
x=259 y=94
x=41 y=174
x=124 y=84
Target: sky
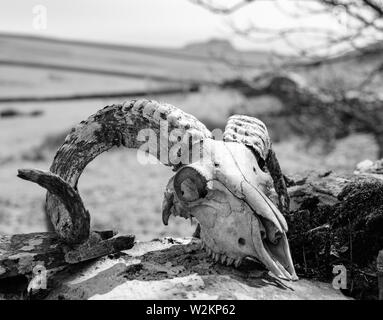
x=160 y=23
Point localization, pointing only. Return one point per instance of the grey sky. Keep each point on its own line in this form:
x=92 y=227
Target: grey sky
x=143 y=22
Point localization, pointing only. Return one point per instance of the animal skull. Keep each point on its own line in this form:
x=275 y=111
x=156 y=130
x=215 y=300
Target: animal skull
x=228 y=193
x=227 y=190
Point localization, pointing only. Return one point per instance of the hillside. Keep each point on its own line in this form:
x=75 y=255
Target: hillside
x=32 y=66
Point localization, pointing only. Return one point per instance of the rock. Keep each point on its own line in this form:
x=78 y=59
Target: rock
x=367 y=166
x=177 y=269
x=363 y=166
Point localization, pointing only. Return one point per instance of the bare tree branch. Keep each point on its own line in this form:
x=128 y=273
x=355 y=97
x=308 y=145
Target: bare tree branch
x=361 y=22
x=211 y=6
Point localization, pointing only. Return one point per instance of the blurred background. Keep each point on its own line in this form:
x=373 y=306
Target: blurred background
x=311 y=70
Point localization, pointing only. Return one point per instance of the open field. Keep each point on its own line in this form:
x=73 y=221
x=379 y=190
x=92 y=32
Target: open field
x=119 y=192
x=38 y=66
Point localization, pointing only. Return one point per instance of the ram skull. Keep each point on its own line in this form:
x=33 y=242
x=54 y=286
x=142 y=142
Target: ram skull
x=227 y=188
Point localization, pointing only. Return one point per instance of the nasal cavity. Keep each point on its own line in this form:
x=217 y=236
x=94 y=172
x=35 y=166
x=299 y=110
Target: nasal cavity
x=241 y=241
x=275 y=237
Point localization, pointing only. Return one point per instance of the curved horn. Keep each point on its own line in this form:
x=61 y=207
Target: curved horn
x=253 y=133
x=249 y=131
x=116 y=125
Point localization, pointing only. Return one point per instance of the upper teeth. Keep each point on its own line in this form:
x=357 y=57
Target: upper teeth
x=220 y=257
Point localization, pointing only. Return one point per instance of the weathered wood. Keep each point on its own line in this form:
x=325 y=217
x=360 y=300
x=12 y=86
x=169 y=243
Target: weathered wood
x=337 y=220
x=20 y=253
x=97 y=246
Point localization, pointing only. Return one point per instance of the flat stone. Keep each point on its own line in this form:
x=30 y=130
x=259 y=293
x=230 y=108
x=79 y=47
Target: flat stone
x=178 y=269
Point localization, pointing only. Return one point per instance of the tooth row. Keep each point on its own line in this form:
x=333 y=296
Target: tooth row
x=223 y=259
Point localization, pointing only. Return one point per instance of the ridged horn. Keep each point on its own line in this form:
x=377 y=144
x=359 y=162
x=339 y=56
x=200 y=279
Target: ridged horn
x=116 y=125
x=249 y=131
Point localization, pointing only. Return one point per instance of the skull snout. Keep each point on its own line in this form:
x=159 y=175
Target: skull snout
x=271 y=248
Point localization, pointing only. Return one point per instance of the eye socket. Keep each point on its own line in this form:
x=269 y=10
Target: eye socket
x=190 y=185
